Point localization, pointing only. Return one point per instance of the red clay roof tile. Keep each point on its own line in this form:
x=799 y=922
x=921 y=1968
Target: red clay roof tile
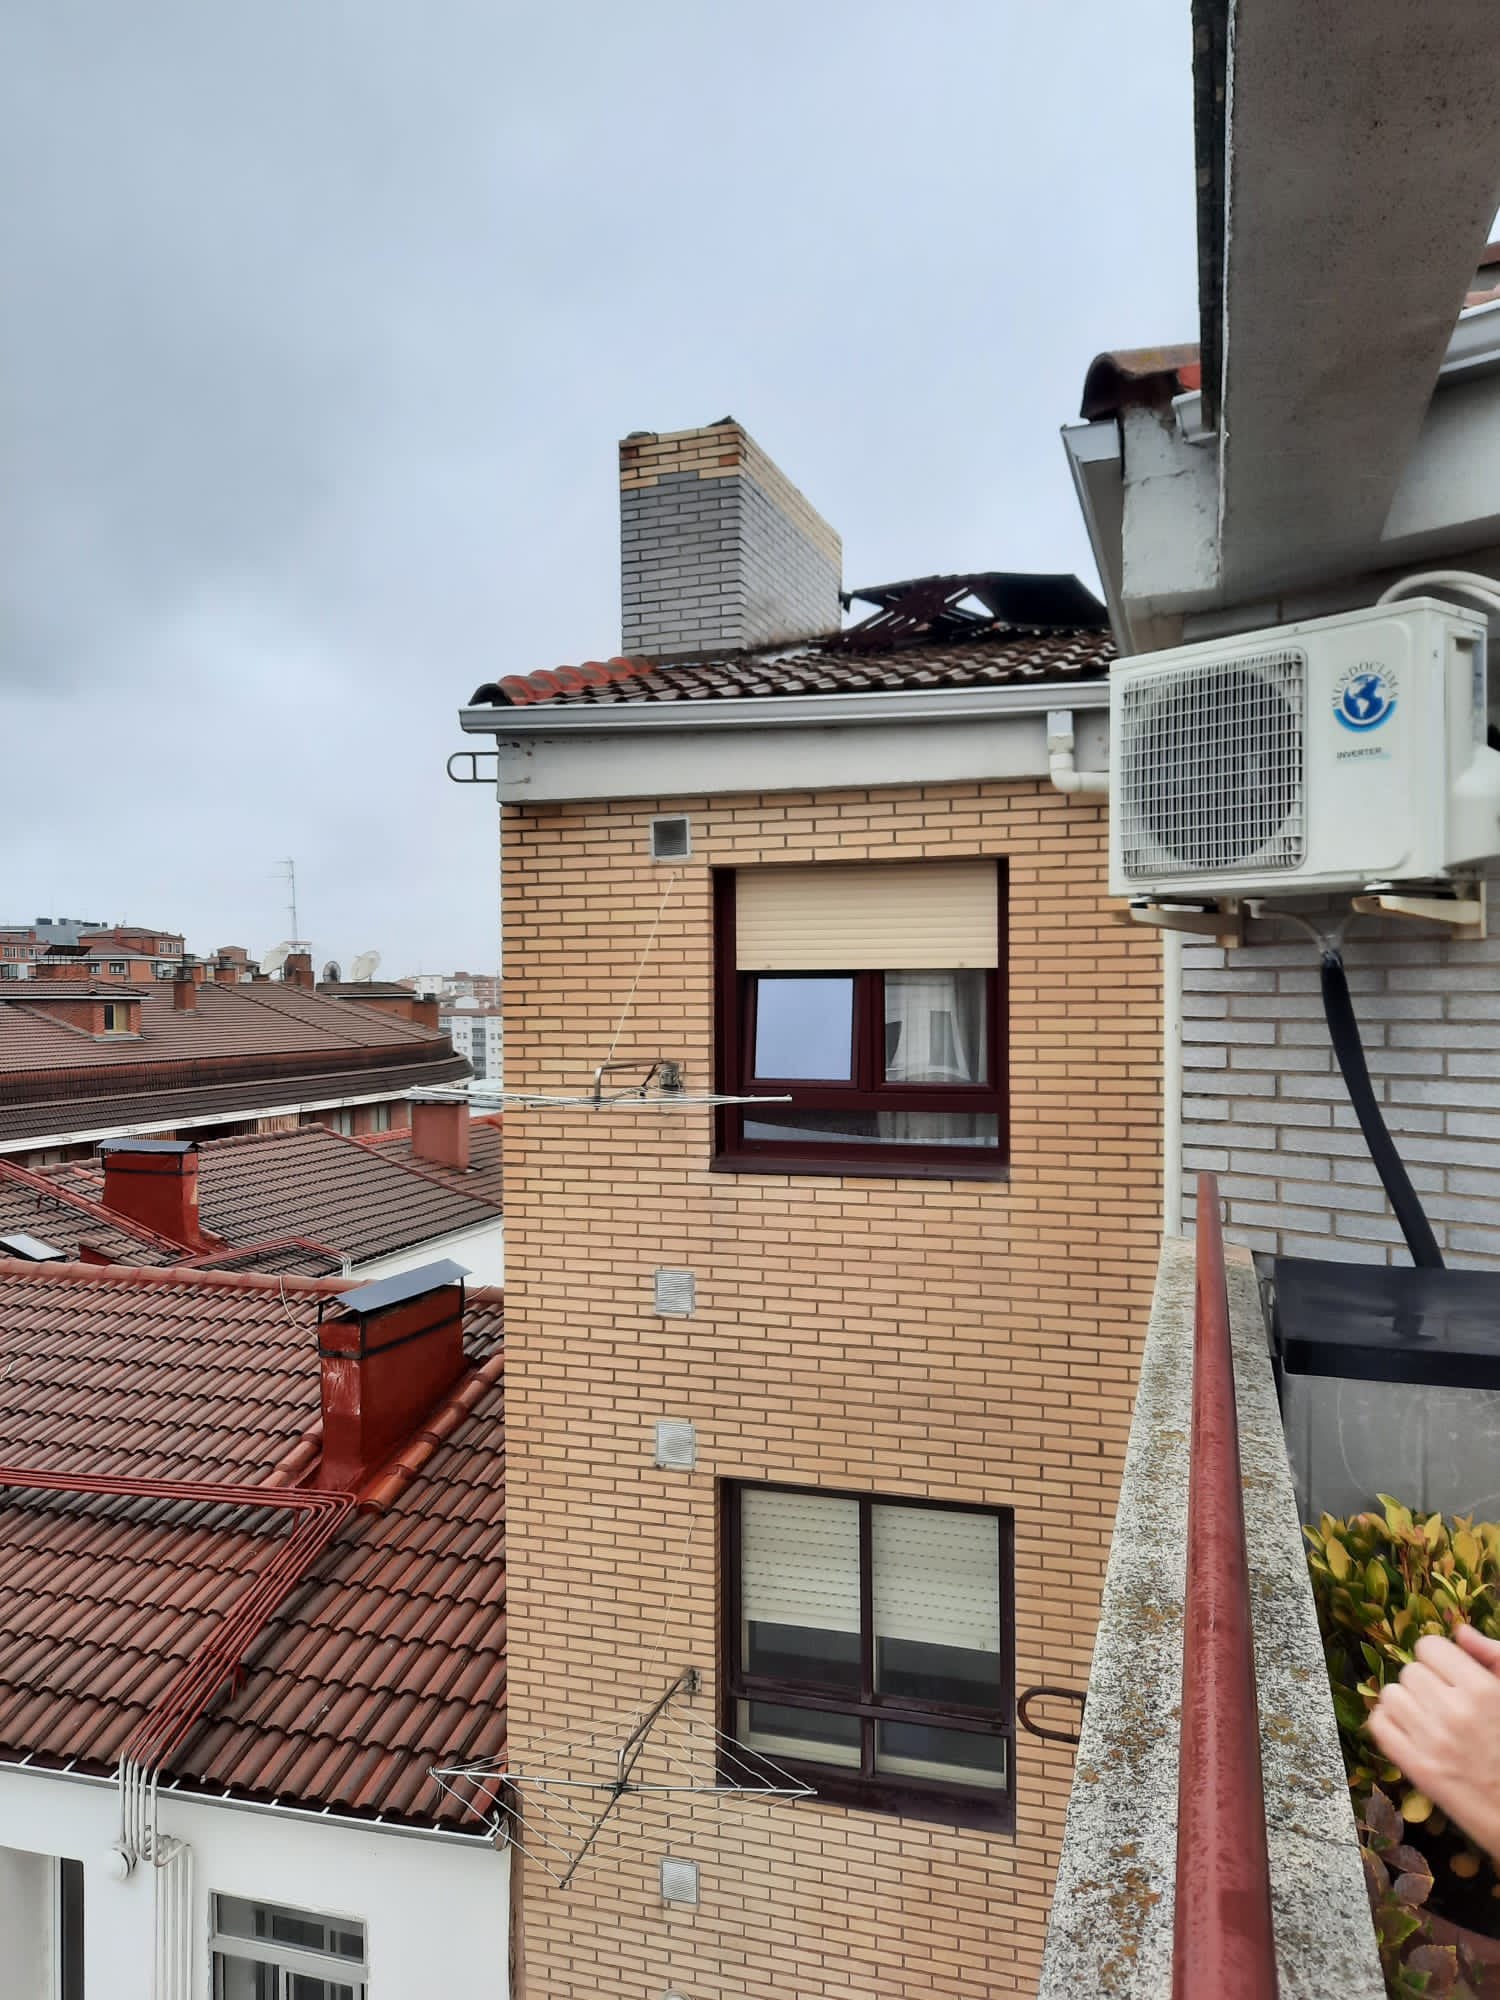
x=370 y=1674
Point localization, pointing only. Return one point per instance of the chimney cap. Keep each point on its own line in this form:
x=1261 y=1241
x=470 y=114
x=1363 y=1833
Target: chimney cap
x=178 y=1146
x=404 y=1285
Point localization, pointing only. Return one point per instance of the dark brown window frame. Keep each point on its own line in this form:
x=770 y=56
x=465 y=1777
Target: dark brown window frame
x=868 y=1789
x=734 y=1044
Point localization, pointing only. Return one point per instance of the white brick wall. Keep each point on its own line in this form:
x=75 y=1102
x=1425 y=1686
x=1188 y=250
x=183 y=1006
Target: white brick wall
x=1264 y=1106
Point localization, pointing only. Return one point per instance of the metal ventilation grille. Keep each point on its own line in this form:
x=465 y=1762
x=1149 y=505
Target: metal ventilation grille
x=1212 y=769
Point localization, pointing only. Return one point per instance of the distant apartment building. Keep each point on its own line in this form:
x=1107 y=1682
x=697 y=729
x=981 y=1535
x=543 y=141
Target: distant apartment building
x=86 y=1057
x=821 y=1358
x=481 y=989
x=477 y=1033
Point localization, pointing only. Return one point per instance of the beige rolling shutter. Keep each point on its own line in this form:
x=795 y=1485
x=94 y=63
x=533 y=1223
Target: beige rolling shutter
x=868 y=917
x=937 y=1577
x=799 y=1561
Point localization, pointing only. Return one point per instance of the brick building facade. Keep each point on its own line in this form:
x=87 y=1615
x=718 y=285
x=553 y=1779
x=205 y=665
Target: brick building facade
x=962 y=1340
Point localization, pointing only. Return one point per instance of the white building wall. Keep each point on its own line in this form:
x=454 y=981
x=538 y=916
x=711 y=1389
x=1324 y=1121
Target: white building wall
x=27 y=1924
x=1264 y=1106
x=436 y=1913
x=481 y=1251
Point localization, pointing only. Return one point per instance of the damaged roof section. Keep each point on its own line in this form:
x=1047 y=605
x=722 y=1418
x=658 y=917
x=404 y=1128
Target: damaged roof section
x=991 y=628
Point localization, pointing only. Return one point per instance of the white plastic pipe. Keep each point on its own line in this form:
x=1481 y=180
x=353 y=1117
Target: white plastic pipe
x=1065 y=776
x=1171 y=1081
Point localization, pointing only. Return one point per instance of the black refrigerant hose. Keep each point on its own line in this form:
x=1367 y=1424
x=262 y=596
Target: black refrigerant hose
x=1343 y=1030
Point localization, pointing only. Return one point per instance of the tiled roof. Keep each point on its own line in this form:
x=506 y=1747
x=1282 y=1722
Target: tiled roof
x=30 y=1209
x=931 y=632
x=313 y=1183
x=388 y=1660
x=997 y=660
x=484 y=1176
x=99 y=1102
x=267 y=1020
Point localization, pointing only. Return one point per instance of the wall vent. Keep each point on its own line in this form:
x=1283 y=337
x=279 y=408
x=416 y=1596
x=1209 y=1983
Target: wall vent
x=676 y=1444
x=679 y=1881
x=671 y=837
x=676 y=1294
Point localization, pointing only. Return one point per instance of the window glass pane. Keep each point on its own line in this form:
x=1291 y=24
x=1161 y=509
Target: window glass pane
x=240 y=1979
x=952 y=1756
x=935 y=1027
x=804 y=1028
x=892 y=1128
x=936 y=1600
x=799 y=1587
x=804 y=1734
x=238 y=1917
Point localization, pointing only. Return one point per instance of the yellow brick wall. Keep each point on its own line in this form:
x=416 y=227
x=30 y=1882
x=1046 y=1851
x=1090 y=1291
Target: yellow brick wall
x=963 y=1340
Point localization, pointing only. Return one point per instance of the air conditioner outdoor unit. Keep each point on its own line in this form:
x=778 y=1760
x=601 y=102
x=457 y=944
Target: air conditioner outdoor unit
x=1327 y=756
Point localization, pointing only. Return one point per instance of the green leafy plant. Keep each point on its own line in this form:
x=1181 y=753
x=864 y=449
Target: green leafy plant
x=1399 y=1882
x=1381 y=1581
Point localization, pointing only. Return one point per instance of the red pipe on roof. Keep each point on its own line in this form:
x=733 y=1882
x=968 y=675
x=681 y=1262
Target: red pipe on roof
x=1223 y=1944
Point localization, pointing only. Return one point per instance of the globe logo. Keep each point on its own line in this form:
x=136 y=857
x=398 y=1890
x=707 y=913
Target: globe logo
x=1365 y=698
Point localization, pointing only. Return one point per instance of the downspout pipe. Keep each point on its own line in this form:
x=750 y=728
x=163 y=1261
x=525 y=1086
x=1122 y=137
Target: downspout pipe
x=1061 y=769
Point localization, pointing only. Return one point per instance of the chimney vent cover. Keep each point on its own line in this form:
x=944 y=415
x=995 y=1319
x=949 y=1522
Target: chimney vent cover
x=671 y=837
x=676 y=1294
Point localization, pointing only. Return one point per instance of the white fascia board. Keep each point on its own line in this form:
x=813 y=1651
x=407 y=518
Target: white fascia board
x=80 y=1138
x=1097 y=465
x=645 y=750
x=687 y=764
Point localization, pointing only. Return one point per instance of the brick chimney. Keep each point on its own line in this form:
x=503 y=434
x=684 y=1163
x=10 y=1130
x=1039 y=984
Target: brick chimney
x=718 y=550
x=155 y=1181
x=298 y=970
x=184 y=992
x=440 y=1132
x=424 y=1010
x=389 y=1352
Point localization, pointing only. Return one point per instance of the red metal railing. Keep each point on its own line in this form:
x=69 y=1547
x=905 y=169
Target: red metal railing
x=1223 y=1946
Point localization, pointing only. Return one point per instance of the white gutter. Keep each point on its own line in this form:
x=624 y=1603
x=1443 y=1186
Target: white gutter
x=315 y=1815
x=795 y=711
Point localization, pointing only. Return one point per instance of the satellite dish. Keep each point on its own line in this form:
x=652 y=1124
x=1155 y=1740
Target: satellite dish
x=275 y=958
x=331 y=970
x=365 y=966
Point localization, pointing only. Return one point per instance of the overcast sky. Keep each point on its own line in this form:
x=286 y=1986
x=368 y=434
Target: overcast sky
x=322 y=318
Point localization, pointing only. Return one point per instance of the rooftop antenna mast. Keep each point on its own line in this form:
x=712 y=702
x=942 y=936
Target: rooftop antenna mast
x=289 y=869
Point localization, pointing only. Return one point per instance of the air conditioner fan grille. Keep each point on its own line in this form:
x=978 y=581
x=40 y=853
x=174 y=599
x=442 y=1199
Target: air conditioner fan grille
x=1212 y=768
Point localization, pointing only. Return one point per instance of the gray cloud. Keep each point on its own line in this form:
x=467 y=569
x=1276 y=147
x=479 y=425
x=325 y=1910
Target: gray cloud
x=322 y=320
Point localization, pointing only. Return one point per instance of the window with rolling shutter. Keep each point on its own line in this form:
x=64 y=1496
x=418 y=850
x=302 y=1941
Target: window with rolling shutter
x=869 y=1648
x=865 y=1003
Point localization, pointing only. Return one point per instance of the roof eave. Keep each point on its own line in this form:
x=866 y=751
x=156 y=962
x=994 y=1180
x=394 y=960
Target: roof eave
x=809 y=711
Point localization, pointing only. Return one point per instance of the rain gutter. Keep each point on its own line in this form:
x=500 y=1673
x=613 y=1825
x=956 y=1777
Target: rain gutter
x=311 y=1815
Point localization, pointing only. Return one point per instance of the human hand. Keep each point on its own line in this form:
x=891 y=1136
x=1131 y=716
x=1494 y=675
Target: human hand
x=1441 y=1723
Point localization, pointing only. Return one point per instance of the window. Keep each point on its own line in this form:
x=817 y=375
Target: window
x=68 y=1904
x=477 y=1057
x=341 y=1121
x=872 y=998
x=380 y=1118
x=116 y=1017
x=117 y=965
x=869 y=1649
x=264 y=1952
